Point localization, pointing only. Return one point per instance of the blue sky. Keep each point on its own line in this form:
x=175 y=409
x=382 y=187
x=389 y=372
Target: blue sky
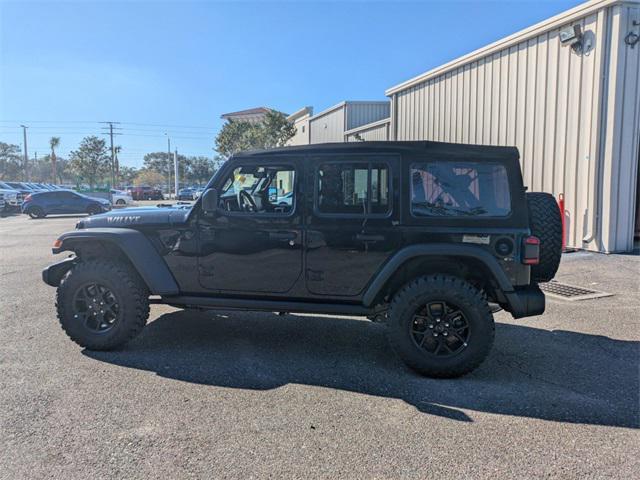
x=175 y=67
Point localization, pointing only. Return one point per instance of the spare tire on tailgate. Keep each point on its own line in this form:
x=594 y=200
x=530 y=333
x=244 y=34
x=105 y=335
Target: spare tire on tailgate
x=546 y=224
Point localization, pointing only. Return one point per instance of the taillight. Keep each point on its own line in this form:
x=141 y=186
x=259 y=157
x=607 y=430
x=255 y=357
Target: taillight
x=531 y=250
x=27 y=198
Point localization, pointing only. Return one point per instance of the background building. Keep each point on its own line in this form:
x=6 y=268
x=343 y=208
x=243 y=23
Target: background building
x=251 y=115
x=571 y=106
x=337 y=123
x=300 y=120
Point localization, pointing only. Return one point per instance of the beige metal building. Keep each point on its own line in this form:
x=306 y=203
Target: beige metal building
x=336 y=123
x=571 y=106
x=300 y=120
x=376 y=131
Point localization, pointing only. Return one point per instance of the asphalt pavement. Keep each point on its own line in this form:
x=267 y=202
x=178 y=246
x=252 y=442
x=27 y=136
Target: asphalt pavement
x=256 y=395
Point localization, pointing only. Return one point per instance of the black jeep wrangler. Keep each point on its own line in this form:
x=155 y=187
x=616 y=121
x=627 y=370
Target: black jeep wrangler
x=430 y=238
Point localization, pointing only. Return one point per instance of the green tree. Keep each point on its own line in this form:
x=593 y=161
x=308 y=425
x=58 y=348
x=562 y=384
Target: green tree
x=10 y=162
x=201 y=169
x=149 y=177
x=91 y=161
x=276 y=130
x=273 y=131
x=53 y=143
x=127 y=175
x=161 y=163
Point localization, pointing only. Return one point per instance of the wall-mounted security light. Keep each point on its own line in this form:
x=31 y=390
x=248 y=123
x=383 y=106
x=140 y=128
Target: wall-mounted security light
x=572 y=36
x=632 y=37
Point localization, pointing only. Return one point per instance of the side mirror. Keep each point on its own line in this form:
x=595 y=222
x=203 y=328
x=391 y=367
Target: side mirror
x=210 y=201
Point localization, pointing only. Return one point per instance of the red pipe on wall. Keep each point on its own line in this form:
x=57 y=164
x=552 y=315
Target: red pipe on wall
x=561 y=207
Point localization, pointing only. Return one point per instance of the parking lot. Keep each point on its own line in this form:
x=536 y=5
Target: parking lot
x=255 y=395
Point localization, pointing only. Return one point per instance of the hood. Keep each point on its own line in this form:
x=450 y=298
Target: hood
x=9 y=193
x=137 y=217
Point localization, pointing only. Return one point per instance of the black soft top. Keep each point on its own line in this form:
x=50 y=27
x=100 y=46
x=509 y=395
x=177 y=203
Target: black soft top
x=462 y=151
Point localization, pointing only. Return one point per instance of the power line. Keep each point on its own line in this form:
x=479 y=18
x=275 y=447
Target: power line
x=121 y=123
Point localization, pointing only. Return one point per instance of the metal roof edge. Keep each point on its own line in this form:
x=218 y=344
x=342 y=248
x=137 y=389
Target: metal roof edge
x=329 y=110
x=367 y=126
x=558 y=20
x=300 y=113
x=344 y=103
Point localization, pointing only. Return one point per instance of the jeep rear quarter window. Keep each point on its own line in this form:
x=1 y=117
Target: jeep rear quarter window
x=459 y=189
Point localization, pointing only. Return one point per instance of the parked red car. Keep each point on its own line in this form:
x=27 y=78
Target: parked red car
x=145 y=193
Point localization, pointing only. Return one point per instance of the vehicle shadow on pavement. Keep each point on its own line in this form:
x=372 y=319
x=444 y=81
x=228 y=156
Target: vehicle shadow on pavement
x=552 y=375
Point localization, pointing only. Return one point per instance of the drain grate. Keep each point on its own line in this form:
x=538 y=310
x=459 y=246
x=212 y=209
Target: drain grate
x=570 y=292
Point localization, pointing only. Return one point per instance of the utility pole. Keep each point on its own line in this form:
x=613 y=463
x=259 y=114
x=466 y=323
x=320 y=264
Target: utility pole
x=113 y=154
x=169 y=163
x=26 y=155
x=175 y=170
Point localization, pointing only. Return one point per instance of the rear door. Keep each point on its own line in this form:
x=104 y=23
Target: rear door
x=351 y=228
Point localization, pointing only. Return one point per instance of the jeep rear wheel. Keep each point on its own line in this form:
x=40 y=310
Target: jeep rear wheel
x=102 y=304
x=545 y=222
x=440 y=326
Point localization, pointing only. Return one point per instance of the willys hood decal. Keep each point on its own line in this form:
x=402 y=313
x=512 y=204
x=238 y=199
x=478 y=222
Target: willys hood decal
x=133 y=217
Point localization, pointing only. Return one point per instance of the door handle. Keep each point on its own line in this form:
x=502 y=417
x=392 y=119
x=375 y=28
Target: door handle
x=284 y=236
x=369 y=238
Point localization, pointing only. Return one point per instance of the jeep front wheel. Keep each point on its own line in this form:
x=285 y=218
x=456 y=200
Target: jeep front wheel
x=102 y=304
x=440 y=326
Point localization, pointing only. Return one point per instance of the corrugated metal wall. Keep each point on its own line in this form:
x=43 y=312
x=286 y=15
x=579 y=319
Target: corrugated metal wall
x=328 y=126
x=622 y=133
x=332 y=124
x=361 y=113
x=545 y=99
x=301 y=136
x=379 y=131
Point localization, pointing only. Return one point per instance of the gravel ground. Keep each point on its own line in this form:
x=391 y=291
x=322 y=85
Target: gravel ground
x=241 y=395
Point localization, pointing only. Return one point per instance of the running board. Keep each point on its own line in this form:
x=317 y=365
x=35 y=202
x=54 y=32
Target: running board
x=263 y=305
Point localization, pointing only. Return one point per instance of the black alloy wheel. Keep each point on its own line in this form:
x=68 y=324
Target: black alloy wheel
x=440 y=329
x=96 y=307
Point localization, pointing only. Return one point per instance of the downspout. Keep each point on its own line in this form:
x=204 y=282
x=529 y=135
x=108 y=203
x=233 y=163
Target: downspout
x=603 y=45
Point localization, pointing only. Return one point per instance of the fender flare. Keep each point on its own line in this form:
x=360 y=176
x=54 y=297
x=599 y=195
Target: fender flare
x=136 y=247
x=434 y=249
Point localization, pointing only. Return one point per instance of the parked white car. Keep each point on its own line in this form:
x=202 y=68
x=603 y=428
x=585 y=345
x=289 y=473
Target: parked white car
x=120 y=198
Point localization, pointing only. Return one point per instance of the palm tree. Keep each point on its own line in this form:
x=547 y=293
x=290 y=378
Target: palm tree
x=54 y=142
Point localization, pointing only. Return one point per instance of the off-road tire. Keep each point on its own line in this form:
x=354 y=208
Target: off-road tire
x=545 y=222
x=471 y=301
x=36 y=212
x=131 y=293
x=120 y=202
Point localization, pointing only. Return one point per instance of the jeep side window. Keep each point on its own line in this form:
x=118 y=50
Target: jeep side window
x=254 y=189
x=459 y=189
x=358 y=188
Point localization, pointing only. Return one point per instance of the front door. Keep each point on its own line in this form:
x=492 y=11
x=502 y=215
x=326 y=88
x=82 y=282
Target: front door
x=254 y=242
x=351 y=231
